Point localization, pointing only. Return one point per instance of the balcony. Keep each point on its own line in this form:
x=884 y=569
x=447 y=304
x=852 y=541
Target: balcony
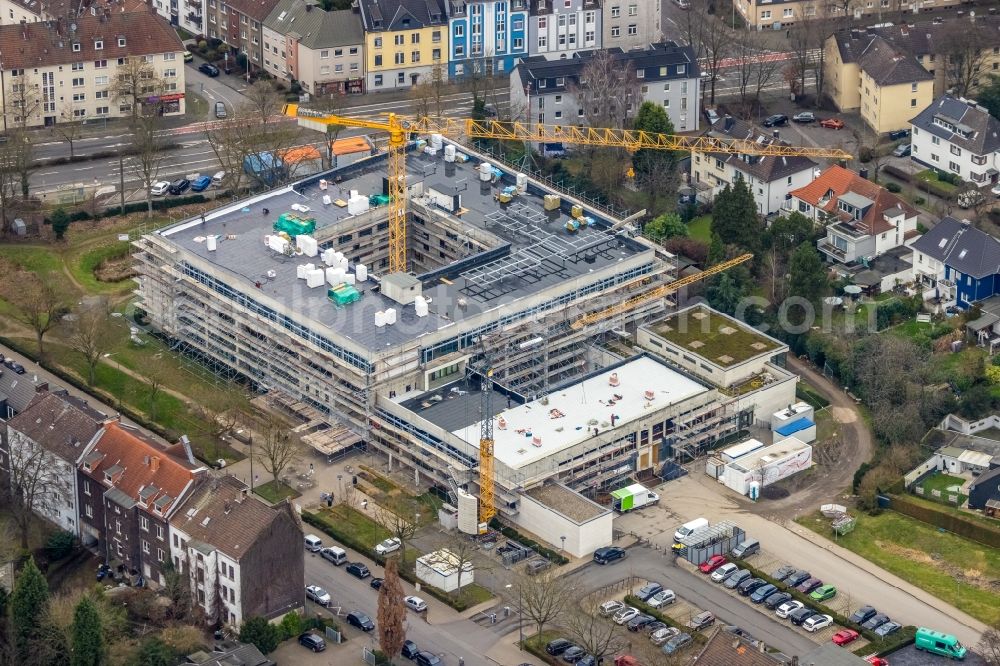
x=195 y=19
x=833 y=250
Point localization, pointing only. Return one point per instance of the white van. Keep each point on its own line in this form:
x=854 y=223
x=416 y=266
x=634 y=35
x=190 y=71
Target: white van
x=334 y=555
x=689 y=527
x=313 y=543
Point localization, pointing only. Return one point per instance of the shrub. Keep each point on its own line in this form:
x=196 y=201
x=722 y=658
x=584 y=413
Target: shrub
x=511 y=533
x=946 y=520
x=260 y=632
x=202 y=45
x=59 y=545
x=920 y=201
x=291 y=626
x=865 y=154
x=893 y=187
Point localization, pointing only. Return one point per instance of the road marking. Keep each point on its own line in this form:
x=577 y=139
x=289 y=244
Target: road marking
x=47 y=173
x=83 y=168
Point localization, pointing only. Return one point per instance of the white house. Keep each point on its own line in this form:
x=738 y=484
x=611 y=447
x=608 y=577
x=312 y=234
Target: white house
x=769 y=178
x=559 y=28
x=958 y=136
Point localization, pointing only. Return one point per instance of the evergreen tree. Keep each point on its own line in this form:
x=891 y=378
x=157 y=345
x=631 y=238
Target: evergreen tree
x=724 y=293
x=716 y=250
x=88 y=635
x=29 y=611
x=668 y=225
x=788 y=232
x=989 y=96
x=260 y=632
x=735 y=218
x=808 y=276
x=655 y=170
x=60 y=222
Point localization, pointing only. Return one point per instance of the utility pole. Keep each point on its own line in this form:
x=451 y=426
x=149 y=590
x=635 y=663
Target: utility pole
x=121 y=177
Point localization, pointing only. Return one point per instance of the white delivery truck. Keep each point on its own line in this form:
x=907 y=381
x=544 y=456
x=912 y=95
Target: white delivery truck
x=689 y=528
x=632 y=497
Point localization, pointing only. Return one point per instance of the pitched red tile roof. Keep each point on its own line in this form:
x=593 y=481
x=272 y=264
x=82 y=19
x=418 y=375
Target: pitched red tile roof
x=140 y=464
x=255 y=9
x=42 y=44
x=841 y=181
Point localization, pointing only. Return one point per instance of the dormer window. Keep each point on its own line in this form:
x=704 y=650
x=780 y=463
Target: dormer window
x=121 y=41
x=76 y=47
x=98 y=45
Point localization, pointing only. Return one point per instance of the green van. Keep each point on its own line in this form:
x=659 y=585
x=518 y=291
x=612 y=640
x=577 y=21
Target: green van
x=938 y=643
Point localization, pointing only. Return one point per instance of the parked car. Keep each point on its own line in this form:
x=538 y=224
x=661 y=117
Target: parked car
x=832 y=123
x=334 y=555
x=201 y=183
x=376 y=583
x=653 y=627
x=797 y=577
x=662 y=598
x=712 y=115
x=218 y=177
x=220 y=110
x=609 y=554
x=358 y=570
x=702 y=620
x=737 y=578
x=817 y=622
x=639 y=621
x=14 y=366
x=862 y=615
x=648 y=590
x=661 y=636
x=801 y=615
x=587 y=660
x=209 y=69
x=159 y=188
x=409 y=649
x=804 y=117
x=179 y=186
x=712 y=563
x=776 y=120
x=808 y=585
x=573 y=654
x=415 y=604
x=875 y=621
x=747 y=587
x=360 y=620
x=312 y=641
x=902 y=150
x=388 y=546
x=995 y=190
x=188 y=56
x=845 y=636
x=625 y=614
x=878 y=661
x=609 y=608
x=318 y=594
x=783 y=572
x=889 y=627
x=823 y=592
x=762 y=592
x=776 y=599
x=425 y=658
x=895 y=135
x=558 y=646
x=724 y=572
x=677 y=643
x=787 y=608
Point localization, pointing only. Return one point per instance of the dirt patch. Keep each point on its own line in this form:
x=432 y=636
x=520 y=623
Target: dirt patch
x=973 y=577
x=906 y=553
x=844 y=414
x=115 y=270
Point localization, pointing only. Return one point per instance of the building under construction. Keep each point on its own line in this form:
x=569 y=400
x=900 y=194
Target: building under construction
x=289 y=290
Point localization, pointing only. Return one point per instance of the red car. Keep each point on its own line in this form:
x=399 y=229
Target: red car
x=712 y=563
x=845 y=636
x=878 y=661
x=832 y=123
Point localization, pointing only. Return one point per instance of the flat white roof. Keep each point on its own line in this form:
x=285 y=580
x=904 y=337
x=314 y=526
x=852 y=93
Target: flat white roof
x=574 y=411
x=737 y=450
x=766 y=456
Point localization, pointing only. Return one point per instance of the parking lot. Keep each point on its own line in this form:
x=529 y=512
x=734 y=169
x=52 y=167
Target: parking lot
x=910 y=656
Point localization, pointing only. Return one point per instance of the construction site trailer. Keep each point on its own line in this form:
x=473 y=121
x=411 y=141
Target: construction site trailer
x=768 y=465
x=737 y=451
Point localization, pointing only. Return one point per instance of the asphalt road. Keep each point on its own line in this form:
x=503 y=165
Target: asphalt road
x=697 y=590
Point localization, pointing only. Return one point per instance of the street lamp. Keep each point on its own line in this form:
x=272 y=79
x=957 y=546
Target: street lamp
x=520 y=624
x=563 y=543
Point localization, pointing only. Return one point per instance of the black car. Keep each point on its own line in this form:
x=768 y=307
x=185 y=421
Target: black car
x=797 y=578
x=608 y=554
x=653 y=627
x=648 y=590
x=209 y=69
x=639 y=621
x=747 y=587
x=863 y=614
x=776 y=599
x=762 y=592
x=895 y=135
x=377 y=583
x=801 y=615
x=360 y=620
x=358 y=570
x=425 y=658
x=776 y=120
x=312 y=641
x=558 y=646
x=783 y=572
x=179 y=186
x=16 y=367
x=409 y=649
x=875 y=621
x=573 y=654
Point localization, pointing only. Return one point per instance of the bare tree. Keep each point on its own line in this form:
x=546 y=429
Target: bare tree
x=147 y=154
x=230 y=143
x=421 y=94
x=399 y=527
x=868 y=145
x=263 y=102
x=134 y=83
x=606 y=91
x=989 y=645
x=155 y=374
x=543 y=598
x=965 y=49
x=438 y=83
x=37 y=484
x=70 y=128
x=276 y=449
x=456 y=551
x=597 y=635
x=331 y=104
x=743 y=47
x=37 y=302
x=92 y=333
x=391 y=611
x=716 y=45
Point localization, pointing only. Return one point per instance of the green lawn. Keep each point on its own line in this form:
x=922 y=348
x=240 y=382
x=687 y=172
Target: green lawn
x=953 y=569
x=807 y=393
x=275 y=491
x=82 y=266
x=700 y=228
x=930 y=176
x=914 y=329
x=943 y=483
x=361 y=527
x=35 y=259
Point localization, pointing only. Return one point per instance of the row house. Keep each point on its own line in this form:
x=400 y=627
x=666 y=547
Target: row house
x=769 y=178
x=406 y=42
x=323 y=51
x=62 y=71
x=958 y=136
x=129 y=487
x=559 y=28
x=630 y=24
x=486 y=36
x=956 y=264
x=41 y=449
x=13 y=12
x=239 y=24
x=780 y=14
x=17 y=392
x=227 y=541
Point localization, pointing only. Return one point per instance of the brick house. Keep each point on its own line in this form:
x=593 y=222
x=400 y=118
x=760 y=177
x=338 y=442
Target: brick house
x=239 y=24
x=227 y=542
x=129 y=487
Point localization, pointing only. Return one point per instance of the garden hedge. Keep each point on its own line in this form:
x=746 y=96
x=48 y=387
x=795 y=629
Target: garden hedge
x=946 y=520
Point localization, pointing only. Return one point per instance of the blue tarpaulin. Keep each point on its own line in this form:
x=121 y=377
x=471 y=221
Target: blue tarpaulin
x=794 y=427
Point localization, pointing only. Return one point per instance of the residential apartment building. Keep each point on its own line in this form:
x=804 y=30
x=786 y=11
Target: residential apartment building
x=778 y=14
x=541 y=91
x=560 y=28
x=228 y=542
x=486 y=36
x=885 y=82
x=41 y=449
x=13 y=12
x=129 y=487
x=863 y=220
x=239 y=24
x=62 y=71
x=770 y=179
x=956 y=264
x=629 y=24
x=16 y=393
x=957 y=135
x=186 y=14
x=321 y=50
x=405 y=41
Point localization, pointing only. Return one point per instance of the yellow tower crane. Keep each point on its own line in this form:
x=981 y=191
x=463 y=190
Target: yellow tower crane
x=400 y=128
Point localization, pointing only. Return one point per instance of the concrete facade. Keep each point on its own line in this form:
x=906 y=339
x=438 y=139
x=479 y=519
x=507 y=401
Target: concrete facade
x=559 y=28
